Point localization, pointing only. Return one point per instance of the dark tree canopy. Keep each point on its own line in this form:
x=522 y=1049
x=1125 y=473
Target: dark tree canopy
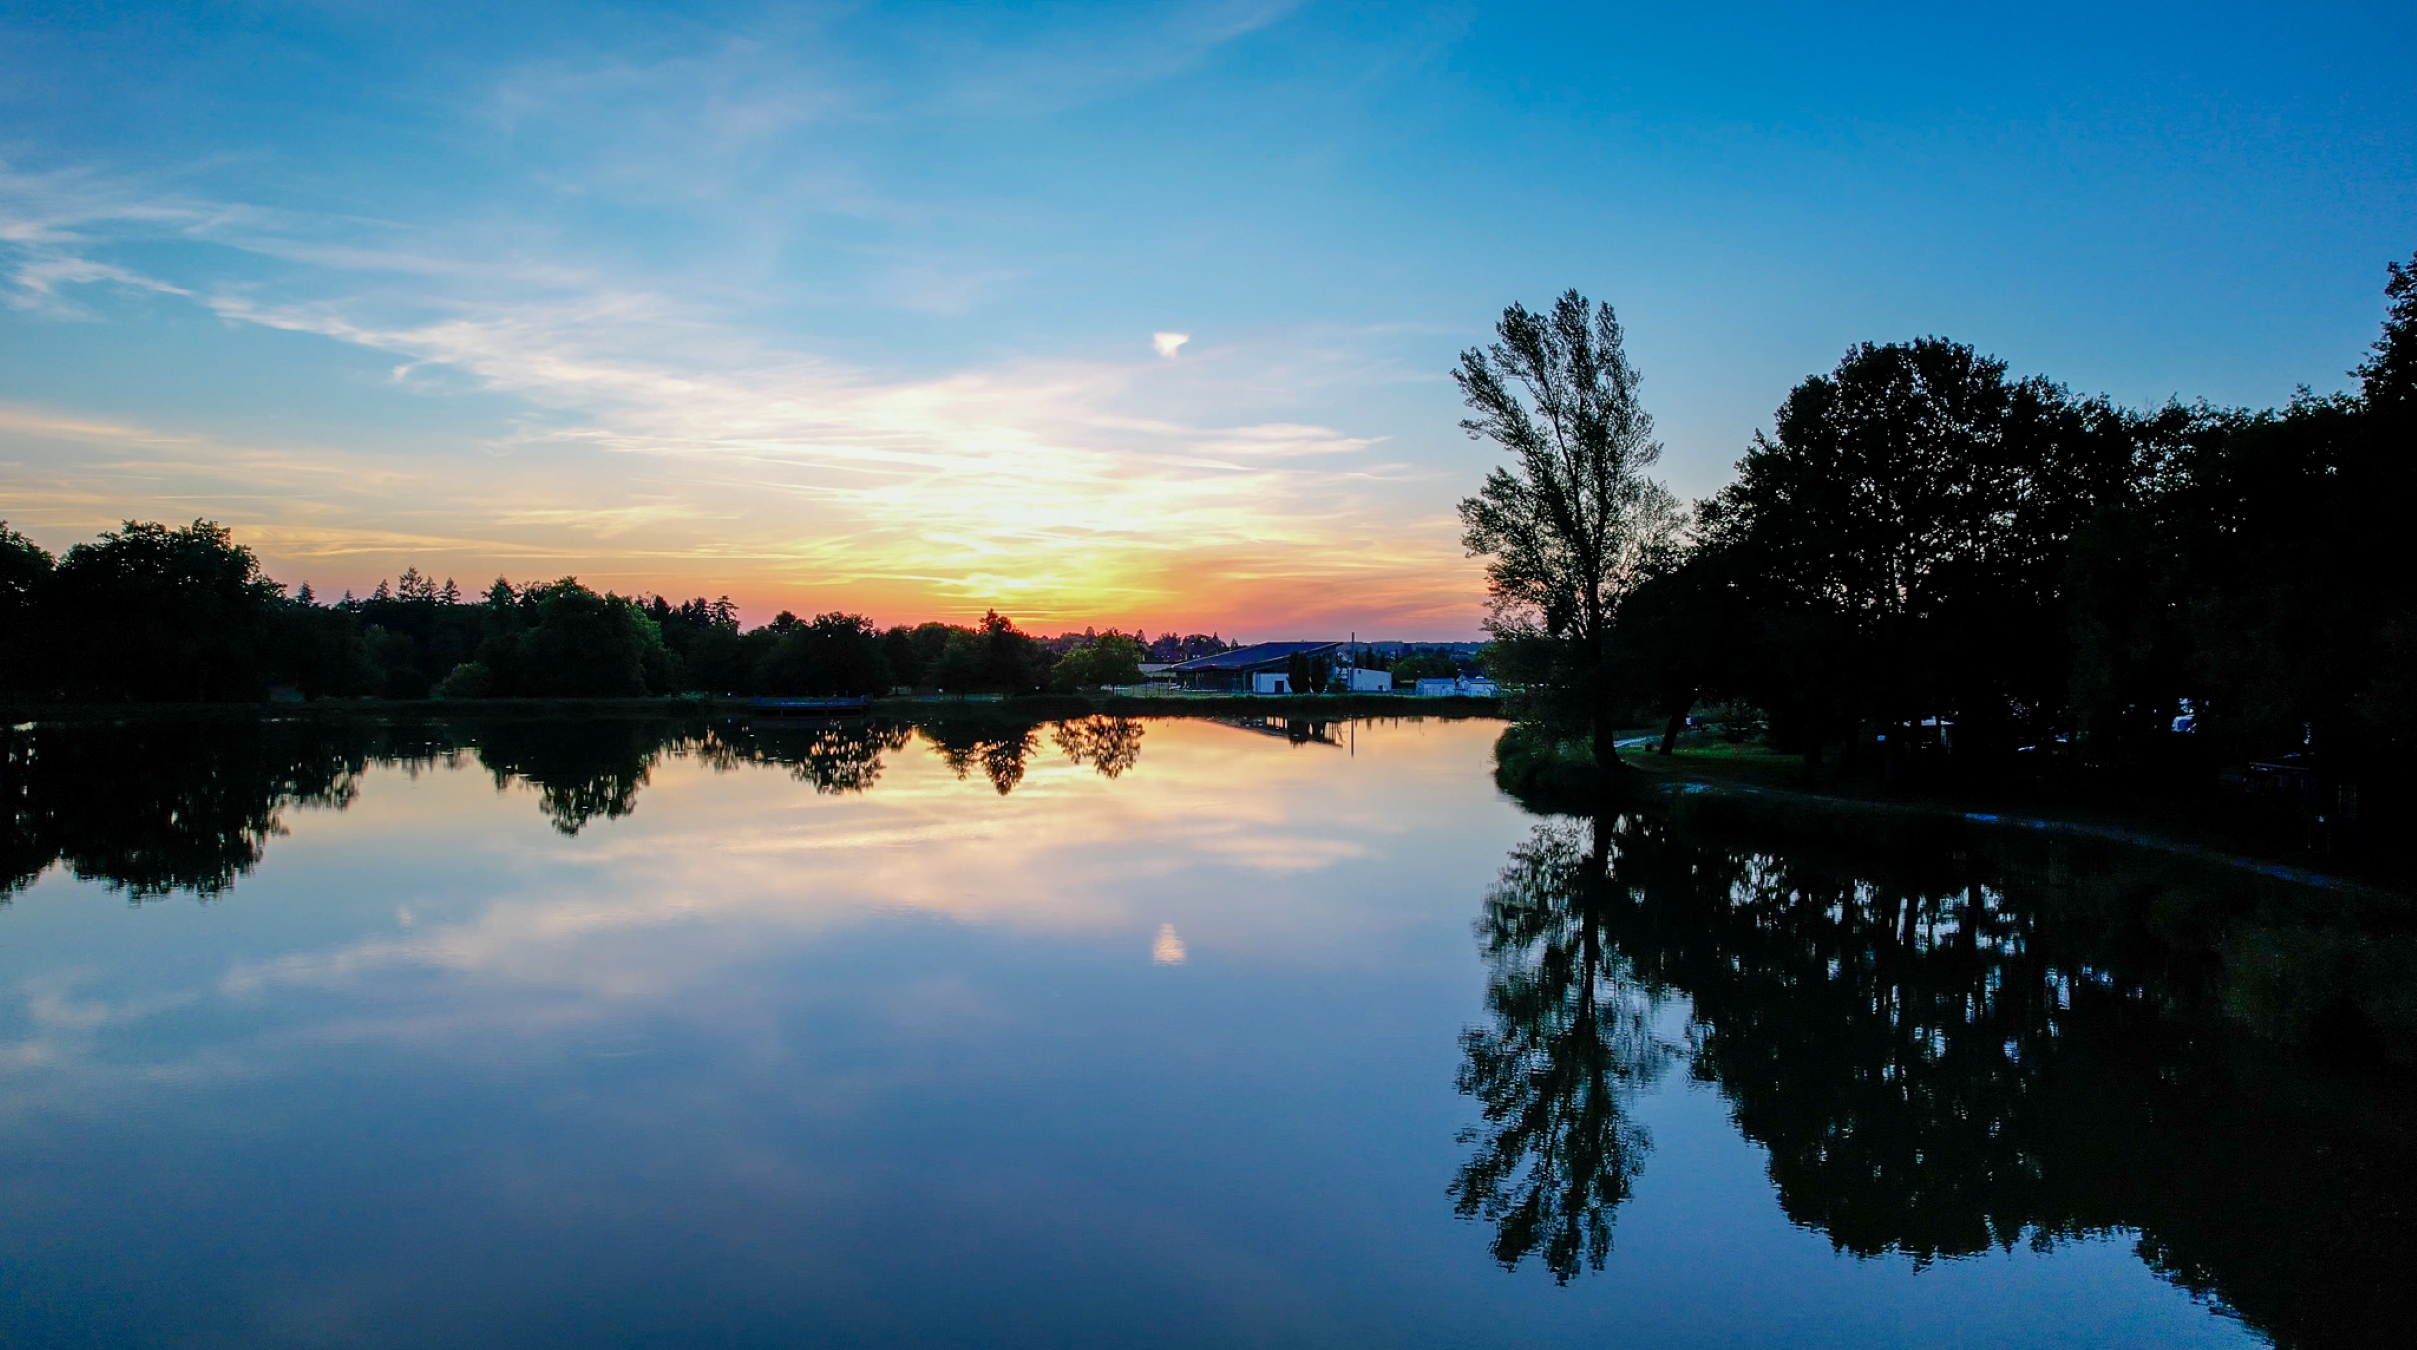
x=1940 y=570
x=836 y=654
x=1904 y=532
x=1107 y=659
x=156 y=613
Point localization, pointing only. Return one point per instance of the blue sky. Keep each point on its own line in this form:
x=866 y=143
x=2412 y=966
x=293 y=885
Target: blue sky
x=854 y=305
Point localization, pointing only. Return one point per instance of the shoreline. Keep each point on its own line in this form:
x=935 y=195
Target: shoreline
x=1747 y=778
x=1757 y=781
x=1037 y=707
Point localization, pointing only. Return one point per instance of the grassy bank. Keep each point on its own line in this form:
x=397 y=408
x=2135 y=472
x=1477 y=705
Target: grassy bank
x=1751 y=781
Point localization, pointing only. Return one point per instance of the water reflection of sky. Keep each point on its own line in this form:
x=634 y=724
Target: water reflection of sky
x=1160 y=1059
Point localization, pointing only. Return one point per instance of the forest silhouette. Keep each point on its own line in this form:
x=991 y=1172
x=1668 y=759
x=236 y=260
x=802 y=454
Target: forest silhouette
x=153 y=613
x=1931 y=569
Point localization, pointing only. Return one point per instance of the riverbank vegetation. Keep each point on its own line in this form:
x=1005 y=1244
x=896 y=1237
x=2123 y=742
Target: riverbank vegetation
x=1930 y=569
x=154 y=613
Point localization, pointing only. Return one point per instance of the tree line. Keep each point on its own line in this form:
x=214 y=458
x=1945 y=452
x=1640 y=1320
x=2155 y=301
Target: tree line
x=157 y=613
x=1928 y=558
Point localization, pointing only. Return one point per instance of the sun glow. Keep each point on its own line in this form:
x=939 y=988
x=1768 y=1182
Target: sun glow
x=651 y=442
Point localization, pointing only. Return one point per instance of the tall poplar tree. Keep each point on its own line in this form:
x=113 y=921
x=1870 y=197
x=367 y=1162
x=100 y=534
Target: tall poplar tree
x=1574 y=525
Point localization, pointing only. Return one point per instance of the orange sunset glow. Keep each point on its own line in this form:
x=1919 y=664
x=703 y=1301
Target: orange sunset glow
x=1037 y=493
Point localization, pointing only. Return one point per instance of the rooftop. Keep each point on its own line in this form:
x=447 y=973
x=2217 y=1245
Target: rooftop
x=1256 y=654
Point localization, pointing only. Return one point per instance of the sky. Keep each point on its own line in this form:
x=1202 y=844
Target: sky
x=1130 y=314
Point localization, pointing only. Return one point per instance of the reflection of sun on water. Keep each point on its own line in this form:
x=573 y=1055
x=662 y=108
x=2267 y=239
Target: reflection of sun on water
x=1168 y=949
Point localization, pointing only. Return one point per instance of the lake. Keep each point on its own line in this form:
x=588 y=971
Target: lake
x=586 y=1032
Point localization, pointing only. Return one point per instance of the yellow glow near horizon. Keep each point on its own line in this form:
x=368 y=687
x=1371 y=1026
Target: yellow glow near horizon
x=474 y=418
x=1026 y=493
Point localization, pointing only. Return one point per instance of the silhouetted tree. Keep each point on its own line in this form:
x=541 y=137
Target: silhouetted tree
x=158 y=613
x=1677 y=639
x=1298 y=678
x=563 y=639
x=25 y=572
x=997 y=658
x=1901 y=538
x=1578 y=525
x=1108 y=659
x=836 y=654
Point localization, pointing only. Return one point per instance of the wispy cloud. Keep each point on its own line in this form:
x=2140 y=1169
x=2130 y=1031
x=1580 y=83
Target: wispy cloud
x=1055 y=68
x=672 y=433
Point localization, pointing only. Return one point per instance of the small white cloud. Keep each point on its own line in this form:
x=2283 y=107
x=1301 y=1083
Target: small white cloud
x=1168 y=949
x=1167 y=343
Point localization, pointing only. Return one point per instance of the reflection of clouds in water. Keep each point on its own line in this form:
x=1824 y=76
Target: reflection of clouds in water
x=1270 y=857
x=1168 y=949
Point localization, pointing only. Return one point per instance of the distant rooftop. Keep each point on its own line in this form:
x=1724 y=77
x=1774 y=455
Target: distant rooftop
x=1256 y=654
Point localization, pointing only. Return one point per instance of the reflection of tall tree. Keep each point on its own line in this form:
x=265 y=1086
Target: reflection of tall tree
x=998 y=751
x=1951 y=1042
x=1943 y=1057
x=1108 y=744
x=24 y=852
x=835 y=757
x=1572 y=1036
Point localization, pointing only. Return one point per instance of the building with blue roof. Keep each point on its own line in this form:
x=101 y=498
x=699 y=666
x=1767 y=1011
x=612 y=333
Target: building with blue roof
x=1249 y=669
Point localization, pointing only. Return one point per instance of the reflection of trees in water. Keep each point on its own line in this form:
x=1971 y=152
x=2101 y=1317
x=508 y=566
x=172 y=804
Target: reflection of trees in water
x=1298 y=730
x=582 y=768
x=1948 y=1049
x=998 y=751
x=835 y=757
x=161 y=805
x=1109 y=744
x=155 y=807
x=1573 y=1031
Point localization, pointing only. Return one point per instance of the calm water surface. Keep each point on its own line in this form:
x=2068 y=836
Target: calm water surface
x=1113 y=1033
